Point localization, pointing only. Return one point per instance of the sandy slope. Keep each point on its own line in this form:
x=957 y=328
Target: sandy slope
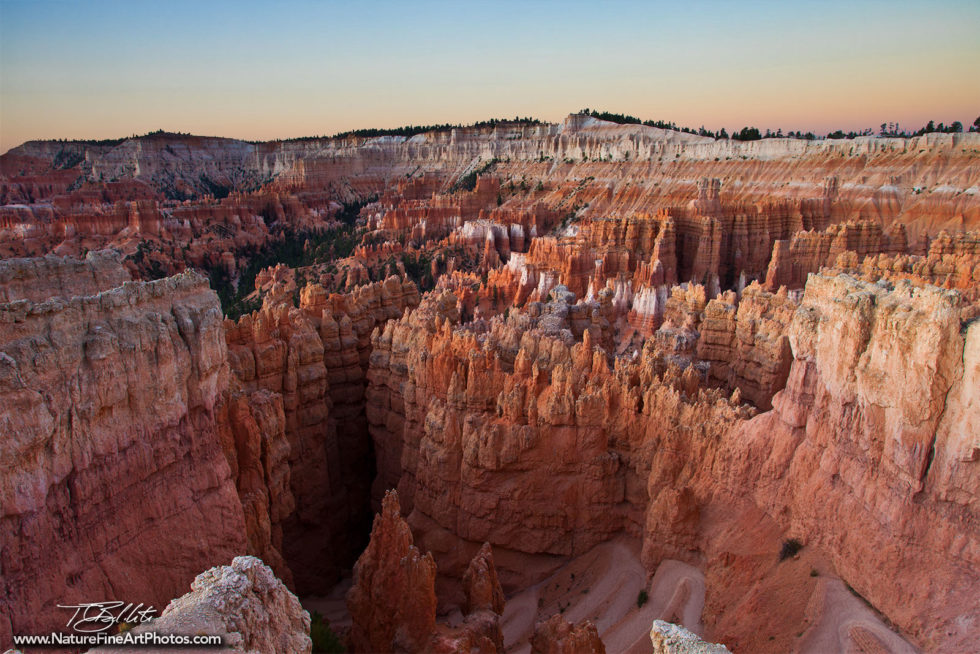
x=843 y=623
x=603 y=586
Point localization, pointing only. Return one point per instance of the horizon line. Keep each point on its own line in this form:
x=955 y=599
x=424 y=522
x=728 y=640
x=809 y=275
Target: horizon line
x=490 y=122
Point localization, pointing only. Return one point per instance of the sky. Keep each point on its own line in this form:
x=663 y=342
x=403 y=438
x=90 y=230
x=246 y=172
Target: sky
x=106 y=68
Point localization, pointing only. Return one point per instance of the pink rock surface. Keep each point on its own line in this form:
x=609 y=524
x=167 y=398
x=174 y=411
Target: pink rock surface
x=556 y=636
x=392 y=602
x=114 y=484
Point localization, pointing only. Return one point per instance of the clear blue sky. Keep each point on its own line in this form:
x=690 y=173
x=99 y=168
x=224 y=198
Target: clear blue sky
x=101 y=69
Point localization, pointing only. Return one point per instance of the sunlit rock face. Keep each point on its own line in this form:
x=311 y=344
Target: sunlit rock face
x=670 y=638
x=730 y=201
x=874 y=423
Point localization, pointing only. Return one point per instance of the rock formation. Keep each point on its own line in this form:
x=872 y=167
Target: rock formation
x=557 y=636
x=111 y=453
x=393 y=601
x=670 y=638
x=40 y=279
x=483 y=592
x=312 y=356
x=477 y=408
x=251 y=427
x=747 y=346
x=206 y=195
x=876 y=413
x=279 y=351
x=244 y=603
x=136 y=379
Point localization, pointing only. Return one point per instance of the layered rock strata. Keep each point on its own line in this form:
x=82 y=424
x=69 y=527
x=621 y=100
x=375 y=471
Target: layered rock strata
x=878 y=422
x=513 y=431
x=202 y=201
x=612 y=306
x=314 y=357
x=111 y=452
x=39 y=279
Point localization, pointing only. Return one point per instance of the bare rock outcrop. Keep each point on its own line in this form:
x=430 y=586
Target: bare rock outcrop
x=670 y=638
x=314 y=356
x=483 y=591
x=484 y=604
x=278 y=350
x=244 y=603
x=251 y=427
x=746 y=342
x=864 y=427
x=393 y=602
x=39 y=279
x=518 y=404
x=612 y=306
x=872 y=423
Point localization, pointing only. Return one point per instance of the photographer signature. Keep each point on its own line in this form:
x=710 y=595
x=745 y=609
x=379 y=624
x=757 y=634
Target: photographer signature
x=94 y=617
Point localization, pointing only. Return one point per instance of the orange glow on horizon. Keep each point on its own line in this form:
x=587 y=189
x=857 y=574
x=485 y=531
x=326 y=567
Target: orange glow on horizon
x=209 y=70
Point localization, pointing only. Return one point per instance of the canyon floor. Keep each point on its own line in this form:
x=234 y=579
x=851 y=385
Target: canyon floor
x=516 y=387
x=603 y=586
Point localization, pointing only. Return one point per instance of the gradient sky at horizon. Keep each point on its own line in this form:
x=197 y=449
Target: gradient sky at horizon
x=107 y=68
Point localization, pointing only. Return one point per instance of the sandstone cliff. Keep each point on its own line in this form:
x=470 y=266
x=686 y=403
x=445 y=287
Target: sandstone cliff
x=874 y=423
x=511 y=431
x=611 y=307
x=62 y=277
x=110 y=448
x=730 y=201
x=313 y=357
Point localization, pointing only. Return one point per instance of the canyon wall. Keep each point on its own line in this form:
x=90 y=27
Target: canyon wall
x=39 y=279
x=515 y=432
x=145 y=437
x=878 y=421
x=65 y=193
x=114 y=481
x=312 y=358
